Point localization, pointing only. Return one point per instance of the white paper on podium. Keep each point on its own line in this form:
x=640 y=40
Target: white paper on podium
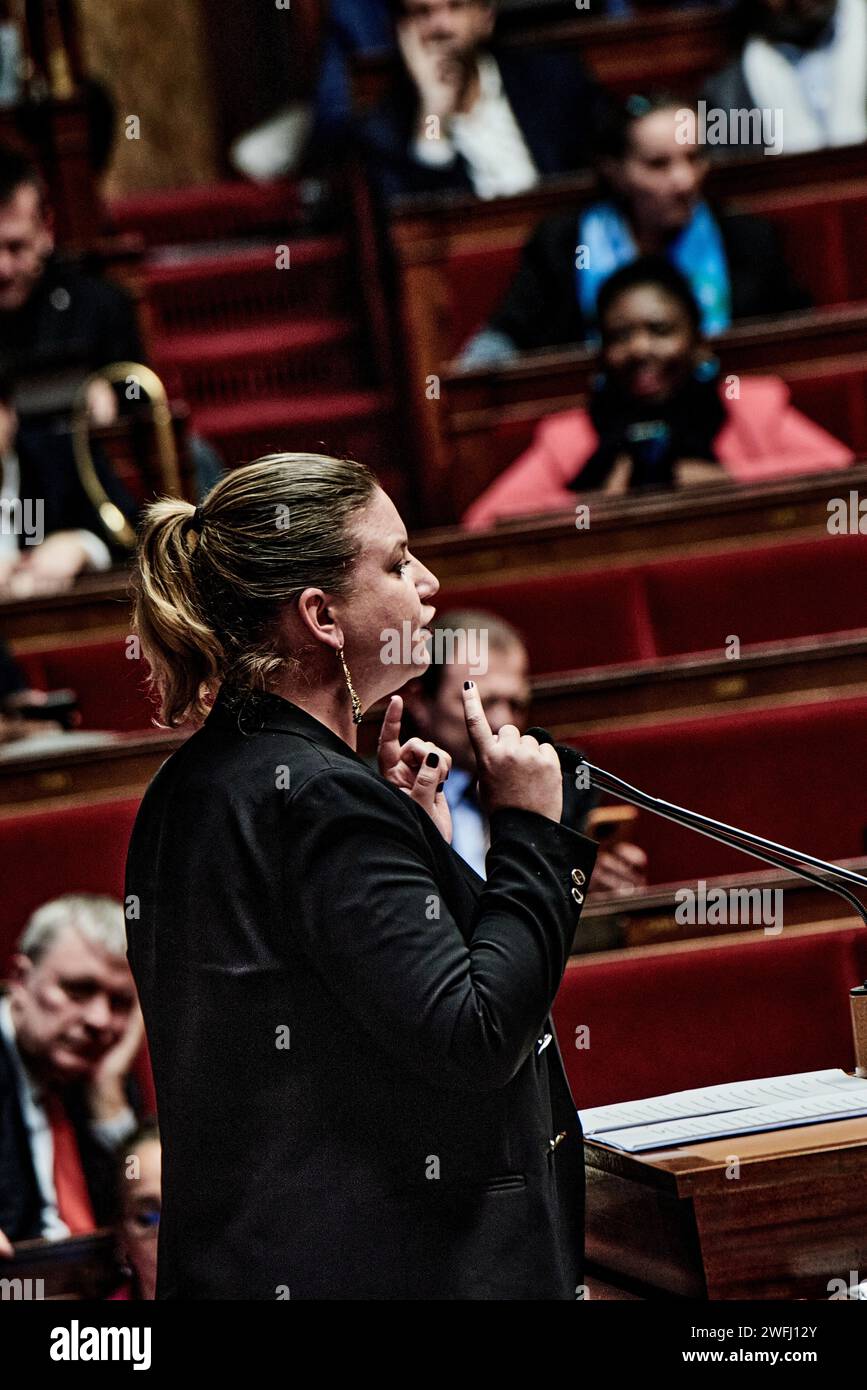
x=712 y=1112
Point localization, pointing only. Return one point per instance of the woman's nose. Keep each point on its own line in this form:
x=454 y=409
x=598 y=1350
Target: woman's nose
x=427 y=583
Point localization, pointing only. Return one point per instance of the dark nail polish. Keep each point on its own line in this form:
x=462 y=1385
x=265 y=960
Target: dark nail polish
x=432 y=760
x=468 y=685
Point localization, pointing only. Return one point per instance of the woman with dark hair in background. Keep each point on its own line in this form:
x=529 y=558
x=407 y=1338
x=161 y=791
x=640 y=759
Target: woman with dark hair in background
x=660 y=414
x=348 y=1028
x=652 y=173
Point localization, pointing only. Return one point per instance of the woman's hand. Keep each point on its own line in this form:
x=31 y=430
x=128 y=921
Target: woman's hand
x=514 y=770
x=408 y=766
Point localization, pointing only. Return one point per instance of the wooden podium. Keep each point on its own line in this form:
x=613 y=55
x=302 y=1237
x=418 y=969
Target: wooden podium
x=676 y=1223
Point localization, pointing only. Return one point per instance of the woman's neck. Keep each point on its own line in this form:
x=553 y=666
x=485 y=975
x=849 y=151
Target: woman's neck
x=329 y=704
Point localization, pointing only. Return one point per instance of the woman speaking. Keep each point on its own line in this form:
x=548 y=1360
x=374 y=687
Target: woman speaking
x=360 y=1094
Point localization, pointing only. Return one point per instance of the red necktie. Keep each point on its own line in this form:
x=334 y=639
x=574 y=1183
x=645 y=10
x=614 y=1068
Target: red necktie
x=73 y=1198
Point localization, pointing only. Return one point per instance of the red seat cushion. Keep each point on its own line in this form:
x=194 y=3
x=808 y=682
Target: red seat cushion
x=761 y=595
x=568 y=621
x=111 y=687
x=79 y=849
x=668 y=1020
x=794 y=775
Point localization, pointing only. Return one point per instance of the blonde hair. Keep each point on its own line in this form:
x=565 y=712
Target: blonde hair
x=210 y=582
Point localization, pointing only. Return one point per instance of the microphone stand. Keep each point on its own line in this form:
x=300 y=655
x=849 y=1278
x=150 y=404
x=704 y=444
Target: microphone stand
x=781 y=856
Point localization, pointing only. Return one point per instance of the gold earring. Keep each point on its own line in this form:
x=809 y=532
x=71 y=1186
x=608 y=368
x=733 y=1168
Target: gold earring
x=357 y=714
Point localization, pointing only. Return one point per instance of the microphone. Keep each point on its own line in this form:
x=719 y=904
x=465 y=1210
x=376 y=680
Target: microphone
x=781 y=856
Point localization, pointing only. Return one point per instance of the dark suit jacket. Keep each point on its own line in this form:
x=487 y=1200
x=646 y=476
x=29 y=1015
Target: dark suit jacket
x=541 y=306
x=48 y=475
x=554 y=100
x=72 y=324
x=344 y=1024
x=20 y=1203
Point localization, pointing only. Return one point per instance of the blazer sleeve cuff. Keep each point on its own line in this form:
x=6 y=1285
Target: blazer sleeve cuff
x=569 y=854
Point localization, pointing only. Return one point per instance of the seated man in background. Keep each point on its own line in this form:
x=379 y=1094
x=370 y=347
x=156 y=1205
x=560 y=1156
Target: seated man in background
x=70 y=1028
x=804 y=62
x=660 y=415
x=435 y=703
x=651 y=181
x=139 y=1178
x=50 y=530
x=58 y=323
x=464 y=115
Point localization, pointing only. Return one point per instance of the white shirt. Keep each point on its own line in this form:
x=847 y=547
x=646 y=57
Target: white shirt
x=110 y=1133
x=98 y=553
x=489 y=139
x=815 y=69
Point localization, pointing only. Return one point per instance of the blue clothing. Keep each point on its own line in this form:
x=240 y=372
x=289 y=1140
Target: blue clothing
x=353 y=26
x=698 y=251
x=469 y=827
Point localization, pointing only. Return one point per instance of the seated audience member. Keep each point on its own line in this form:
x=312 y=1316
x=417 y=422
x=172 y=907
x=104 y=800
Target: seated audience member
x=801 y=68
x=435 y=705
x=466 y=115
x=139 y=1176
x=652 y=204
x=57 y=322
x=51 y=529
x=70 y=1028
x=660 y=415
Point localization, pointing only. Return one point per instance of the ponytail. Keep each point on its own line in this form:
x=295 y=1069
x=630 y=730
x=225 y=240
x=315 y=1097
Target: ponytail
x=210 y=581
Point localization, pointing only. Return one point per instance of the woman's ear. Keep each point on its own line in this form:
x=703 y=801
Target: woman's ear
x=316 y=614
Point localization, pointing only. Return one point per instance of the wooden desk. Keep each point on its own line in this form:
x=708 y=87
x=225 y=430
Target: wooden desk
x=98 y=604
x=672 y=1223
x=122 y=766
x=79 y=1267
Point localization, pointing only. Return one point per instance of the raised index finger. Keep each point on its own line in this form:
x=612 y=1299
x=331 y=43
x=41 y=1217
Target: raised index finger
x=390 y=731
x=478 y=727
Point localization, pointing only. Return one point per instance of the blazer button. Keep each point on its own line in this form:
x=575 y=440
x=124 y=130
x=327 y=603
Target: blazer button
x=578 y=877
x=577 y=895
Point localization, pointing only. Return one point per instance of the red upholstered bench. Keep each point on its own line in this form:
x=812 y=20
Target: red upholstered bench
x=568 y=622
x=794 y=774
x=770 y=593
x=669 y=1018
x=762 y=595
x=78 y=849
x=111 y=688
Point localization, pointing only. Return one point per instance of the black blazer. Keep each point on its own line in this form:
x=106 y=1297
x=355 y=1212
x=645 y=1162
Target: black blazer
x=555 y=102
x=20 y=1202
x=73 y=321
x=347 y=1029
x=541 y=308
